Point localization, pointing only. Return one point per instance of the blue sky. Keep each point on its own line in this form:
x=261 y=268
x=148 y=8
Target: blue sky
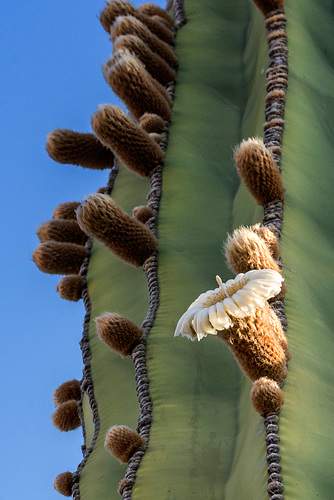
x=51 y=57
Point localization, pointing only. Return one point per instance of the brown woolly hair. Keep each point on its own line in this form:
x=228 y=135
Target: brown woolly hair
x=131 y=82
x=150 y=9
x=267 y=396
x=118 y=8
x=152 y=123
x=154 y=64
x=67 y=391
x=70 y=288
x=156 y=137
x=61 y=230
x=100 y=217
x=118 y=333
x=133 y=146
x=76 y=148
x=54 y=257
x=66 y=210
x=123 y=442
x=143 y=213
x=268 y=234
x=255 y=343
x=258 y=170
x=268 y=6
x=63 y=484
x=66 y=417
x=129 y=25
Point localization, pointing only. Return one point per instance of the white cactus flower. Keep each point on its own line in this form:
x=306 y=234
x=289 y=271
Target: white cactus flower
x=215 y=309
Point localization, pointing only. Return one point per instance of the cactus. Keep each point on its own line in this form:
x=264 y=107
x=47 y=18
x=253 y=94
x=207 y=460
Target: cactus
x=181 y=414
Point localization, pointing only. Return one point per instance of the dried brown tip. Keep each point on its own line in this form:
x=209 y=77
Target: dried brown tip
x=131 y=82
x=150 y=9
x=154 y=64
x=118 y=333
x=256 y=346
x=133 y=146
x=70 y=288
x=123 y=442
x=267 y=6
x=269 y=236
x=267 y=396
x=259 y=172
x=129 y=25
x=54 y=257
x=245 y=250
x=61 y=230
x=67 y=391
x=143 y=213
x=63 y=484
x=75 y=148
x=100 y=217
x=152 y=123
x=66 y=210
x=66 y=417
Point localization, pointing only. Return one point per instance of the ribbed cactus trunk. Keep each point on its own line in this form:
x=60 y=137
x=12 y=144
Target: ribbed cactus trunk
x=197 y=434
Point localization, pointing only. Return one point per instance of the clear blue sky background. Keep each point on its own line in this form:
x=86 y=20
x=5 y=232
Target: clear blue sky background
x=51 y=57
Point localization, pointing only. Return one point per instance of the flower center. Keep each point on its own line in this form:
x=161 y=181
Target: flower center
x=225 y=290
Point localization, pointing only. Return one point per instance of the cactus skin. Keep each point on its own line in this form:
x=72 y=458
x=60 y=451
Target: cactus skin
x=206 y=439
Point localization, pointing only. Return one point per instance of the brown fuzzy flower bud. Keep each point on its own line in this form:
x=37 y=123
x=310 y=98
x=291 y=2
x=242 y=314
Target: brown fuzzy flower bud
x=258 y=171
x=100 y=217
x=70 y=288
x=154 y=64
x=66 y=417
x=66 y=210
x=54 y=257
x=76 y=148
x=150 y=9
x=67 y=391
x=131 y=82
x=116 y=8
x=267 y=6
x=152 y=123
x=129 y=25
x=266 y=396
x=133 y=146
x=63 y=484
x=123 y=442
x=256 y=346
x=143 y=213
x=61 y=230
x=269 y=236
x=118 y=333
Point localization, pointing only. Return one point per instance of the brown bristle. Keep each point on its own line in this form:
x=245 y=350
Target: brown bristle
x=63 y=484
x=143 y=213
x=75 y=148
x=67 y=391
x=267 y=6
x=100 y=217
x=54 y=257
x=150 y=9
x=117 y=8
x=152 y=123
x=129 y=25
x=154 y=64
x=122 y=485
x=70 y=288
x=256 y=346
x=118 y=333
x=123 y=442
x=259 y=172
x=267 y=396
x=161 y=20
x=66 y=210
x=158 y=138
x=61 y=230
x=132 y=145
x=131 y=82
x=66 y=417
x=269 y=236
